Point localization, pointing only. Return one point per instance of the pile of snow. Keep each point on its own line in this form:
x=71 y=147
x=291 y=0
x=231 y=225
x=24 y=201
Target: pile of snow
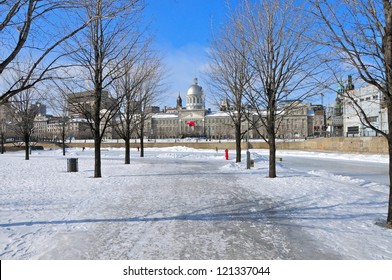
x=337 y=156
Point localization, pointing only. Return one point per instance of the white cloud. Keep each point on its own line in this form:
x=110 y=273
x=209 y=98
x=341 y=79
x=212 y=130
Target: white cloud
x=183 y=65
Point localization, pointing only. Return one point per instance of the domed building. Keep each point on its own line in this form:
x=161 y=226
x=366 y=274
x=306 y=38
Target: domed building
x=195 y=97
x=192 y=116
x=193 y=120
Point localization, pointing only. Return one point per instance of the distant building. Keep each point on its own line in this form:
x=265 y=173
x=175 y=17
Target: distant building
x=319 y=120
x=370 y=99
x=346 y=116
x=193 y=120
x=80 y=106
x=5 y=112
x=40 y=109
x=41 y=131
x=335 y=118
x=5 y=119
x=81 y=103
x=181 y=122
x=298 y=119
x=78 y=129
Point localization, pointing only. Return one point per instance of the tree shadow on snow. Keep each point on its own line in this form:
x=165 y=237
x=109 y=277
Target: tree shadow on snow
x=295 y=212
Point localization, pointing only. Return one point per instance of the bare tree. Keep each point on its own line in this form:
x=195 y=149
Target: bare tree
x=359 y=35
x=100 y=50
x=284 y=61
x=56 y=98
x=151 y=87
x=21 y=108
x=128 y=89
x=34 y=26
x=24 y=109
x=230 y=72
x=128 y=108
x=5 y=120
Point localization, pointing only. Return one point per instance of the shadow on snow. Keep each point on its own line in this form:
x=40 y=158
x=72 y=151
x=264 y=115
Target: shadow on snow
x=250 y=211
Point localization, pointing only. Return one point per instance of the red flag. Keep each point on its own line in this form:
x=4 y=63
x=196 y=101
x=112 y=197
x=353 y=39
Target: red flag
x=190 y=123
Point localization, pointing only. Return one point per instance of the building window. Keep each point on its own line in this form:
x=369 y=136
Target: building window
x=353 y=130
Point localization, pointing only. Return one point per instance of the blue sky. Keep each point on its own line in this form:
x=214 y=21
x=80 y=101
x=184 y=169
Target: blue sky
x=180 y=22
x=183 y=31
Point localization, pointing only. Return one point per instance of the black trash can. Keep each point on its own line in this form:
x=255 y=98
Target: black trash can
x=72 y=165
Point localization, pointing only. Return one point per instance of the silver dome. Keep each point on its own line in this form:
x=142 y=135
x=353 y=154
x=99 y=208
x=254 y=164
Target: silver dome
x=195 y=89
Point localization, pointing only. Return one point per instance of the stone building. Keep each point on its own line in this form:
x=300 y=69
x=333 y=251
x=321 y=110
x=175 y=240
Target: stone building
x=193 y=120
x=180 y=122
x=370 y=99
x=335 y=118
x=298 y=120
x=81 y=103
x=4 y=125
x=346 y=115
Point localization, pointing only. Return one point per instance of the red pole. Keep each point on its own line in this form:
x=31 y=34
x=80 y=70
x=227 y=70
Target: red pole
x=227 y=154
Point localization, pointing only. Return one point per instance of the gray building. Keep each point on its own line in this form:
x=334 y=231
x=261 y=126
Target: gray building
x=193 y=120
x=180 y=122
x=297 y=120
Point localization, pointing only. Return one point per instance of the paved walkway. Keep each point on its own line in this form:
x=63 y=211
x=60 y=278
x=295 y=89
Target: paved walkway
x=186 y=212
x=189 y=214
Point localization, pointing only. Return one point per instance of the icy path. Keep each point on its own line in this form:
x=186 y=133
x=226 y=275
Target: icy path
x=190 y=209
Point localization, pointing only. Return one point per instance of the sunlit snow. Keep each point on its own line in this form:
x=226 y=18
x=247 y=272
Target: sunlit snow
x=182 y=203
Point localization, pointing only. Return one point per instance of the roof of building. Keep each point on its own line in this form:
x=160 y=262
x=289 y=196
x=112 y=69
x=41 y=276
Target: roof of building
x=164 y=116
x=217 y=114
x=195 y=89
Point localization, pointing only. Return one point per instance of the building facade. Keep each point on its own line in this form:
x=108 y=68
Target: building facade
x=346 y=118
x=180 y=122
x=370 y=100
x=193 y=120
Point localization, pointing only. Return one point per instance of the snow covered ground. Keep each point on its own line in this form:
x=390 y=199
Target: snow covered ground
x=182 y=203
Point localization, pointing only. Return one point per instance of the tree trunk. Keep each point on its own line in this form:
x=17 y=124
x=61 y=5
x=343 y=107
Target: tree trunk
x=63 y=140
x=271 y=140
x=272 y=155
x=127 y=151
x=97 y=165
x=97 y=145
x=127 y=139
x=387 y=47
x=142 y=140
x=389 y=218
x=2 y=143
x=27 y=147
x=238 y=141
